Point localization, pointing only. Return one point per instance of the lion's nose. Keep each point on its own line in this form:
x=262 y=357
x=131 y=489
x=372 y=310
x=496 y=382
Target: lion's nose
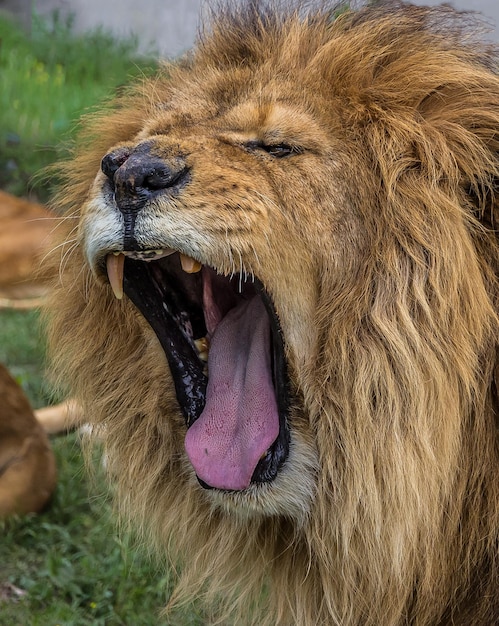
x=139 y=175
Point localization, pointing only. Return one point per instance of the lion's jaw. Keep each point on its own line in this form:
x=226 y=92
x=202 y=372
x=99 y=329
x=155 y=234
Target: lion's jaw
x=246 y=434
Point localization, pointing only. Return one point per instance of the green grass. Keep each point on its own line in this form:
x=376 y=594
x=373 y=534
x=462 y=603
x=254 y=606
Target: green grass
x=49 y=79
x=22 y=349
x=70 y=560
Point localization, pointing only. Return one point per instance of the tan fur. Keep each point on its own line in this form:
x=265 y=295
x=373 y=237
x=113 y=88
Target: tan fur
x=60 y=417
x=28 y=472
x=377 y=245
x=25 y=240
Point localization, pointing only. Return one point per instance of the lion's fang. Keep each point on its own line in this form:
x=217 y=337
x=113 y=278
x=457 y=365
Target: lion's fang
x=114 y=264
x=190 y=265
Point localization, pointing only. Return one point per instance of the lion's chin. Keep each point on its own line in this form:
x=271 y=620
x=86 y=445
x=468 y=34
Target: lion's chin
x=223 y=342
x=289 y=495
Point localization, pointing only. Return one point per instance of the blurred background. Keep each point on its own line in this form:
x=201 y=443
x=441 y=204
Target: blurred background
x=166 y=26
x=488 y=8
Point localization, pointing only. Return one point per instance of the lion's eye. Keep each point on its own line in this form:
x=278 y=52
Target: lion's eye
x=280 y=150
x=277 y=150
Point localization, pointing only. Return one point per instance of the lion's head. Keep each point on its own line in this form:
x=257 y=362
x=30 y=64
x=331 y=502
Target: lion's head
x=297 y=378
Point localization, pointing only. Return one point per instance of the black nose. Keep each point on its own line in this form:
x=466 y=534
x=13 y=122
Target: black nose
x=139 y=175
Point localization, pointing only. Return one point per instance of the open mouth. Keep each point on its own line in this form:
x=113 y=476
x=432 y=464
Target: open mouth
x=224 y=346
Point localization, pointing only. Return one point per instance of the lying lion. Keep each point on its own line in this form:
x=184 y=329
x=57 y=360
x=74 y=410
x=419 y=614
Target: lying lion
x=25 y=239
x=28 y=473
x=282 y=313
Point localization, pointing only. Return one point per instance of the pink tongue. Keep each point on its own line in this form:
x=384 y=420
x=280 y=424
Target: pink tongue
x=240 y=420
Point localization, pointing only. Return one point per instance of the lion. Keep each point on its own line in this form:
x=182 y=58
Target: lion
x=28 y=471
x=278 y=306
x=25 y=239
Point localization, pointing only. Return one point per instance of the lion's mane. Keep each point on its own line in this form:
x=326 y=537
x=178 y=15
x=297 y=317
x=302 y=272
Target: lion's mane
x=398 y=395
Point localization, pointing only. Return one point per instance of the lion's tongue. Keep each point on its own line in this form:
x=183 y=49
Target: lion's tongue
x=240 y=419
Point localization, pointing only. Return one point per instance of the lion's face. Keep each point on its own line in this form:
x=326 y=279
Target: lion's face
x=199 y=220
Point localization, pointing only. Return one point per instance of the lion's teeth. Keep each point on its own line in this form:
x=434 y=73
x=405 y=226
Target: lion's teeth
x=149 y=255
x=190 y=265
x=203 y=348
x=202 y=345
x=114 y=265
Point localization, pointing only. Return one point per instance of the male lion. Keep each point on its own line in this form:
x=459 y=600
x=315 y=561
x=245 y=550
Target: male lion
x=296 y=375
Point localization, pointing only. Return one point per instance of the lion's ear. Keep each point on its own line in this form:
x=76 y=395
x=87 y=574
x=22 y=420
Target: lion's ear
x=460 y=117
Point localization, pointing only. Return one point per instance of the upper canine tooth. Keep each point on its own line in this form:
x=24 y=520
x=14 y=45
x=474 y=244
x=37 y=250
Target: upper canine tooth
x=114 y=264
x=189 y=265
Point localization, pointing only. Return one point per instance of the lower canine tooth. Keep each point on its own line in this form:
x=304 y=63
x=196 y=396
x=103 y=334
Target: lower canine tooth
x=114 y=264
x=189 y=265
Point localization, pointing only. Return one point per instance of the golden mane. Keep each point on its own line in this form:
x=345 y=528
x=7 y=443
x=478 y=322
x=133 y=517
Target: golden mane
x=396 y=404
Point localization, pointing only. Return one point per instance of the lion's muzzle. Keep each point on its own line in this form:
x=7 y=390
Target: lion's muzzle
x=139 y=175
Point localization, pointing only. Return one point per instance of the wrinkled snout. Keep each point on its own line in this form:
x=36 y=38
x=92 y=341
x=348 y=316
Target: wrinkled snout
x=138 y=175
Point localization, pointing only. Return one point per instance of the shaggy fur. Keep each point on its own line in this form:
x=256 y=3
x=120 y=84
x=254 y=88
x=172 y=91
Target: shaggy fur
x=375 y=239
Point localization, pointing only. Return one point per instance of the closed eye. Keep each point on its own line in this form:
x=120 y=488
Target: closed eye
x=277 y=150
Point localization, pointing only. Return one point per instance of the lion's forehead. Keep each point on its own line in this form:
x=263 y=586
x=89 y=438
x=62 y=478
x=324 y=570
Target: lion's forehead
x=268 y=114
